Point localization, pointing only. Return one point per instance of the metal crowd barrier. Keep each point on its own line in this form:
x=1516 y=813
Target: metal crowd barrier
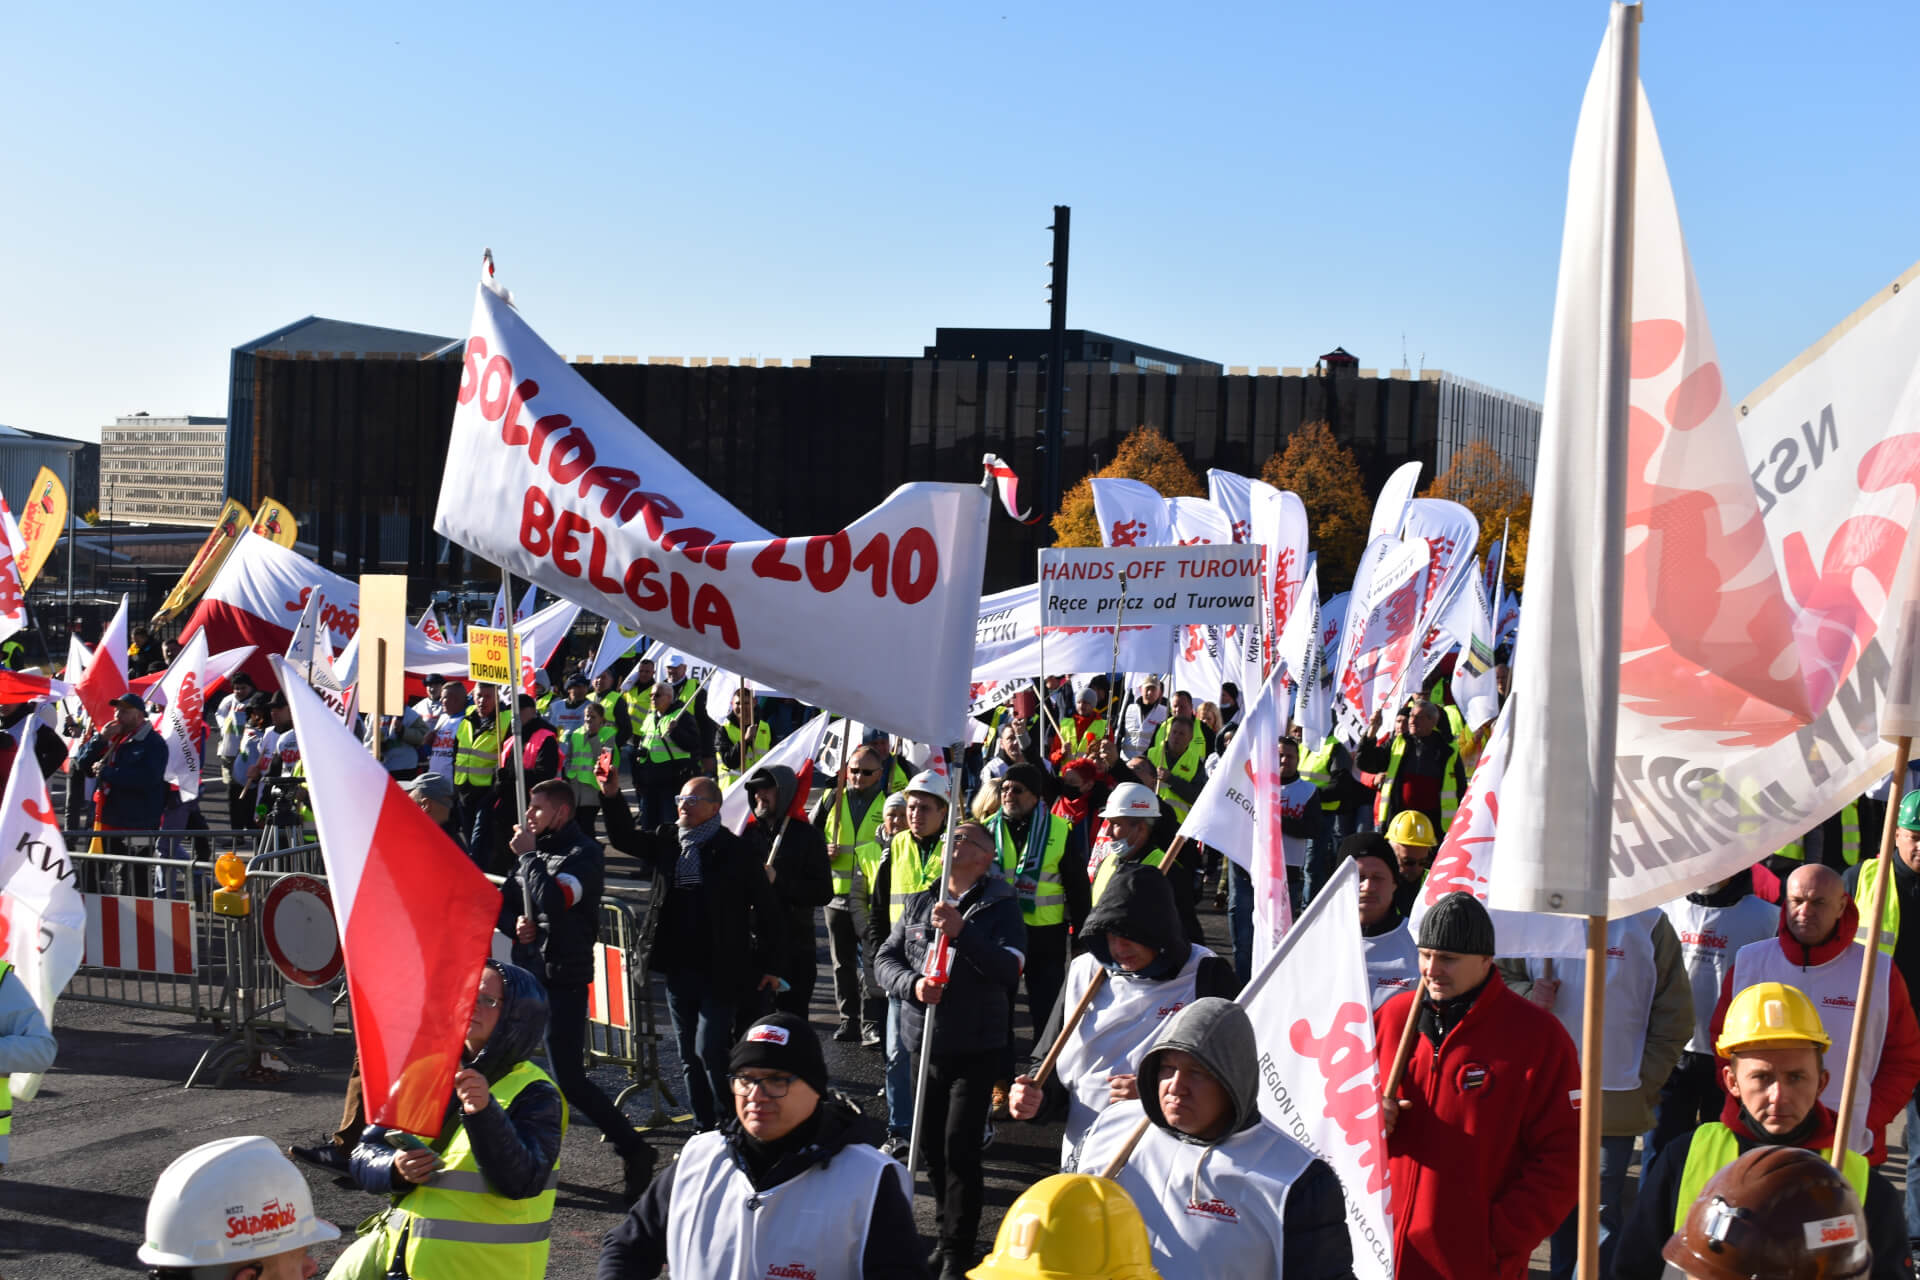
x=621 y=1030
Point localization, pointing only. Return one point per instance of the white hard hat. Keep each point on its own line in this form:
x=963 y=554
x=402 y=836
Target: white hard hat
x=1132 y=800
x=928 y=783
x=235 y=1200
x=1481 y=710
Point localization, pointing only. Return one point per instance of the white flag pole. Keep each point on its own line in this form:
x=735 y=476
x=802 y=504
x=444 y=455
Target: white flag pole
x=1615 y=368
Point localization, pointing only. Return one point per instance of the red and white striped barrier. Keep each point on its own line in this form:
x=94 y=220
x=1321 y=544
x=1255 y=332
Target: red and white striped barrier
x=144 y=934
x=610 y=977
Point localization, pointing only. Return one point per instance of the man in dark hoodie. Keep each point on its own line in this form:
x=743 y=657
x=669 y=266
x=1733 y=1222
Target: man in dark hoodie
x=478 y=1198
x=1224 y=1193
x=564 y=871
x=957 y=946
x=795 y=856
x=1776 y=1050
x=1151 y=972
x=787 y=1188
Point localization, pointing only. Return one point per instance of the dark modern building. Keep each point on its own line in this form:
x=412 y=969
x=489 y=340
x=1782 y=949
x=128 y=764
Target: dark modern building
x=355 y=445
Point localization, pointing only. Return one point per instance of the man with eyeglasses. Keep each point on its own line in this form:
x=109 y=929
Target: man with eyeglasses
x=850 y=818
x=786 y=1188
x=912 y=864
x=961 y=950
x=717 y=932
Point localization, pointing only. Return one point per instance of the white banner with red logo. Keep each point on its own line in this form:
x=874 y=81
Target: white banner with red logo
x=258 y=597
x=1130 y=513
x=1312 y=1015
x=1377 y=640
x=1452 y=532
x=546 y=478
x=182 y=727
x=1007 y=642
x=13 y=591
x=1205 y=655
x=1390 y=508
x=1761 y=576
x=43 y=921
x=1464 y=863
x=1304 y=661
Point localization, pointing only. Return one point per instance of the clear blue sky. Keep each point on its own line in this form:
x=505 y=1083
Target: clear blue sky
x=1254 y=183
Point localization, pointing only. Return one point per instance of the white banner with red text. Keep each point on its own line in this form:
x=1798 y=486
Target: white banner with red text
x=1105 y=585
x=546 y=478
x=1007 y=643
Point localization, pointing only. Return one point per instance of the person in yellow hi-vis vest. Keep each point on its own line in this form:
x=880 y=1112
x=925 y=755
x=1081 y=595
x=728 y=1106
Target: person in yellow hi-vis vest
x=25 y=1044
x=851 y=818
x=475 y=1201
x=1177 y=760
x=476 y=755
x=1777 y=1055
x=911 y=865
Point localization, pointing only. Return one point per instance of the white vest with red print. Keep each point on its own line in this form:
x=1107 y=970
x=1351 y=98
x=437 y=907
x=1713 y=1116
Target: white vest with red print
x=813 y=1227
x=1832 y=987
x=1709 y=939
x=1123 y=1020
x=1215 y=1211
x=1630 y=983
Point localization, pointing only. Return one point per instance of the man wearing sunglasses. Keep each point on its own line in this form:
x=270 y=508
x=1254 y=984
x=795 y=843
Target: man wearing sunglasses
x=786 y=1188
x=850 y=819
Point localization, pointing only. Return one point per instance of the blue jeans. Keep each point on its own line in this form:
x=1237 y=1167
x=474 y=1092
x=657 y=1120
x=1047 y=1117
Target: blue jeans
x=1240 y=914
x=703 y=1025
x=899 y=1075
x=1615 y=1155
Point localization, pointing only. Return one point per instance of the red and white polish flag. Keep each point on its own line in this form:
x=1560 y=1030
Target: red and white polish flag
x=43 y=921
x=1007 y=482
x=106 y=675
x=415 y=919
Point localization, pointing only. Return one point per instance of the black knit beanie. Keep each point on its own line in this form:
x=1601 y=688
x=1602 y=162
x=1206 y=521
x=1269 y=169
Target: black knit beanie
x=1457 y=923
x=782 y=1042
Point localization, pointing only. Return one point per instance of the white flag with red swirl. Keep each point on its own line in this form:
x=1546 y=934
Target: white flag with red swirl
x=1312 y=1015
x=182 y=726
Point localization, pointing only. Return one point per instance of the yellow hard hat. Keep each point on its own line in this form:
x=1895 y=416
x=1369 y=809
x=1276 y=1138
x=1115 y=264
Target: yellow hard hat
x=1771 y=1013
x=1072 y=1226
x=1410 y=826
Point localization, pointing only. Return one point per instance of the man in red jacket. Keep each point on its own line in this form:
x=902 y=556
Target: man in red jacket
x=1483 y=1136
x=1815 y=951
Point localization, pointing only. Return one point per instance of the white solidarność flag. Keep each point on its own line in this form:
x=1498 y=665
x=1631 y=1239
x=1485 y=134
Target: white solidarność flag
x=547 y=479
x=43 y=921
x=1390 y=508
x=1205 y=656
x=182 y=727
x=1759 y=583
x=1312 y=1015
x=1305 y=662
x=1377 y=640
x=1007 y=643
x=1131 y=514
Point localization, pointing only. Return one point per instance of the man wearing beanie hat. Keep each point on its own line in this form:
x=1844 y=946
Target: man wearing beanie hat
x=785 y=1188
x=1048 y=871
x=1483 y=1135
x=1393 y=962
x=1224 y=1193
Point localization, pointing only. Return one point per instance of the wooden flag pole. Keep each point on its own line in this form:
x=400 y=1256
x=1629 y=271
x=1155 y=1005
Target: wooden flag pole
x=1403 y=1052
x=1592 y=1038
x=1072 y=1023
x=1871 y=921
x=1125 y=1153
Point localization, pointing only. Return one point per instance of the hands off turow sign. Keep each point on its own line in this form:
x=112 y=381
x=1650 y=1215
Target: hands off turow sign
x=1181 y=585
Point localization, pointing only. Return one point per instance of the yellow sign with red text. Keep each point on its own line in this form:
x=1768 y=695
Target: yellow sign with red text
x=488 y=659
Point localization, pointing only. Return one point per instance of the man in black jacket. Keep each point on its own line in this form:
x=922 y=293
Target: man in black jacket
x=978 y=917
x=563 y=873
x=844 y=1210
x=795 y=856
x=717 y=935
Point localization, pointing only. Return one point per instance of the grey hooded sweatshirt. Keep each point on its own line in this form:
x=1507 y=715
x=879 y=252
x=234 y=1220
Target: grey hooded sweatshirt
x=1236 y=1174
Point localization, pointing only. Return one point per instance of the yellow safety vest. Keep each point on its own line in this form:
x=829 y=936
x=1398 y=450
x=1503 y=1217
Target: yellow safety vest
x=1075 y=742
x=655 y=745
x=580 y=751
x=475 y=754
x=1157 y=859
x=1186 y=768
x=1049 y=893
x=1889 y=921
x=6 y=1089
x=1850 y=833
x=866 y=832
x=1449 y=786
x=1714 y=1147
x=762 y=739
x=911 y=872
x=457 y=1225
x=1317 y=767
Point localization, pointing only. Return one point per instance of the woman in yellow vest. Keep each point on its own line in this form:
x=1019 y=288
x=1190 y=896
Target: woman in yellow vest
x=474 y=1202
